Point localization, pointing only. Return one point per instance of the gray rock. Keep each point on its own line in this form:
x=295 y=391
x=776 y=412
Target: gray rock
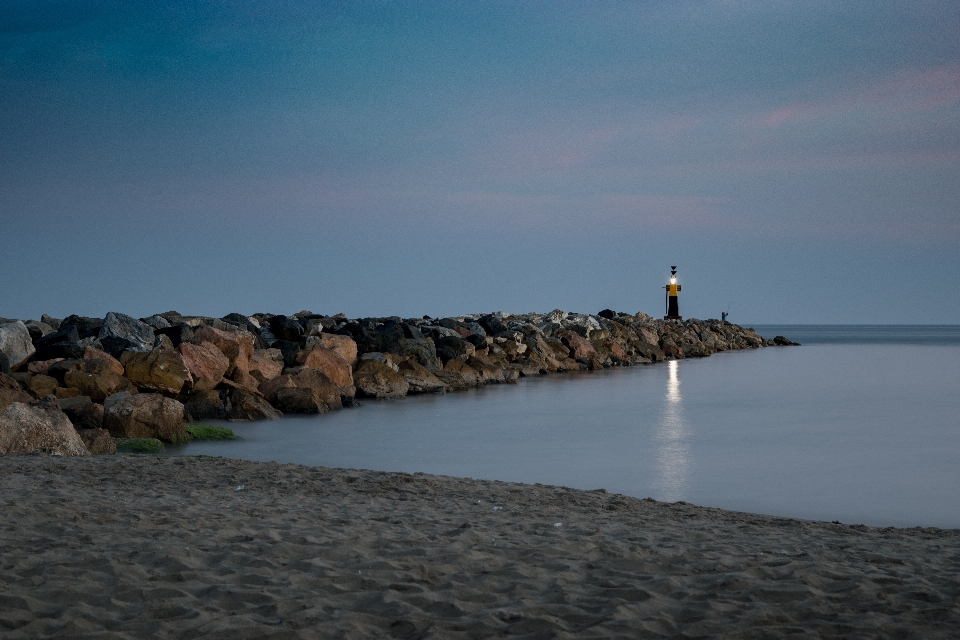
x=50 y=320
x=15 y=344
x=121 y=332
x=157 y=322
x=39 y=427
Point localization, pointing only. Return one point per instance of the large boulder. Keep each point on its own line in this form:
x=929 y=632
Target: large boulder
x=286 y=328
x=39 y=427
x=378 y=380
x=245 y=404
x=40 y=386
x=315 y=379
x=83 y=413
x=11 y=391
x=207 y=404
x=237 y=346
x=92 y=353
x=579 y=346
x=40 y=367
x=65 y=343
x=86 y=327
x=266 y=364
x=145 y=415
x=121 y=332
x=330 y=363
x=15 y=343
x=160 y=370
x=470 y=376
x=421 y=379
x=300 y=400
x=92 y=377
x=206 y=363
x=343 y=346
x=270 y=388
x=454 y=347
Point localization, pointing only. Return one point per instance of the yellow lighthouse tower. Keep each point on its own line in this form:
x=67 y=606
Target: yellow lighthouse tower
x=673 y=309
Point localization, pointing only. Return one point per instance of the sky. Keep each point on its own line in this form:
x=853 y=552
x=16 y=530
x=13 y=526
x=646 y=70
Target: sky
x=798 y=161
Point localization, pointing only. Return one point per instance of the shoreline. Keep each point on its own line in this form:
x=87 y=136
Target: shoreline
x=125 y=546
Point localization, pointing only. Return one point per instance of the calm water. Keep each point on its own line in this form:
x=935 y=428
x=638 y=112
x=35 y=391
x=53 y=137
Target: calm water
x=858 y=425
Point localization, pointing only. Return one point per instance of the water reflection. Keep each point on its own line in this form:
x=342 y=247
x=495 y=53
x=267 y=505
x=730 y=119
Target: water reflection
x=672 y=441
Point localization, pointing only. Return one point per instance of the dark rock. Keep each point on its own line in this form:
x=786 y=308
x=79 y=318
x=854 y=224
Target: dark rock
x=83 y=413
x=64 y=343
x=39 y=427
x=121 y=332
x=249 y=405
x=177 y=333
x=286 y=328
x=4 y=363
x=290 y=351
x=207 y=404
x=38 y=329
x=86 y=327
x=456 y=347
x=491 y=324
x=50 y=320
x=781 y=341
x=300 y=400
x=608 y=314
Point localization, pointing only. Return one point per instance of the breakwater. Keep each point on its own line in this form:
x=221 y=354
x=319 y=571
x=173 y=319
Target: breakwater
x=123 y=377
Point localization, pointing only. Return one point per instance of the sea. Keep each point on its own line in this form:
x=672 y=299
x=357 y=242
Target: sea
x=859 y=425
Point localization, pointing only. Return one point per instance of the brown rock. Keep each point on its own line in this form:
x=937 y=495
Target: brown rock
x=145 y=415
x=300 y=400
x=421 y=379
x=40 y=386
x=343 y=346
x=98 y=441
x=454 y=380
x=161 y=371
x=92 y=353
x=579 y=346
x=82 y=412
x=269 y=388
x=319 y=383
x=237 y=346
x=470 y=376
x=205 y=362
x=243 y=379
x=98 y=381
x=334 y=366
x=378 y=380
x=489 y=372
x=67 y=392
x=249 y=405
x=39 y=427
x=40 y=367
x=11 y=391
x=266 y=364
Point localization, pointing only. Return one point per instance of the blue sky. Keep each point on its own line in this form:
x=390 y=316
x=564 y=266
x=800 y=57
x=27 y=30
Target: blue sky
x=799 y=161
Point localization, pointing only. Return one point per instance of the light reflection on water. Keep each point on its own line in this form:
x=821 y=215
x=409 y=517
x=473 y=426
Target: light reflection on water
x=671 y=440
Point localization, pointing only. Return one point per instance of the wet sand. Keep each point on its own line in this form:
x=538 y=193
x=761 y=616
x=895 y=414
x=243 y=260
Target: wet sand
x=141 y=547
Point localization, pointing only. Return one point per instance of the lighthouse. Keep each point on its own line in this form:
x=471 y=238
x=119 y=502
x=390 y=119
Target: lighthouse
x=673 y=309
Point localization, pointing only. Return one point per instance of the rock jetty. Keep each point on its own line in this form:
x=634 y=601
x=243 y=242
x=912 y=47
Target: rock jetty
x=125 y=377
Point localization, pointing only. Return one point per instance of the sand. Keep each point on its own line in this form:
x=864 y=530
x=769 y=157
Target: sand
x=142 y=547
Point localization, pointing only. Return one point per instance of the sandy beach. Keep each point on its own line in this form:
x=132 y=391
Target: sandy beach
x=126 y=546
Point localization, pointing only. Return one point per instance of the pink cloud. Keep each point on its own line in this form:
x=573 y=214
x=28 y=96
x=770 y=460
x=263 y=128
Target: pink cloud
x=898 y=94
